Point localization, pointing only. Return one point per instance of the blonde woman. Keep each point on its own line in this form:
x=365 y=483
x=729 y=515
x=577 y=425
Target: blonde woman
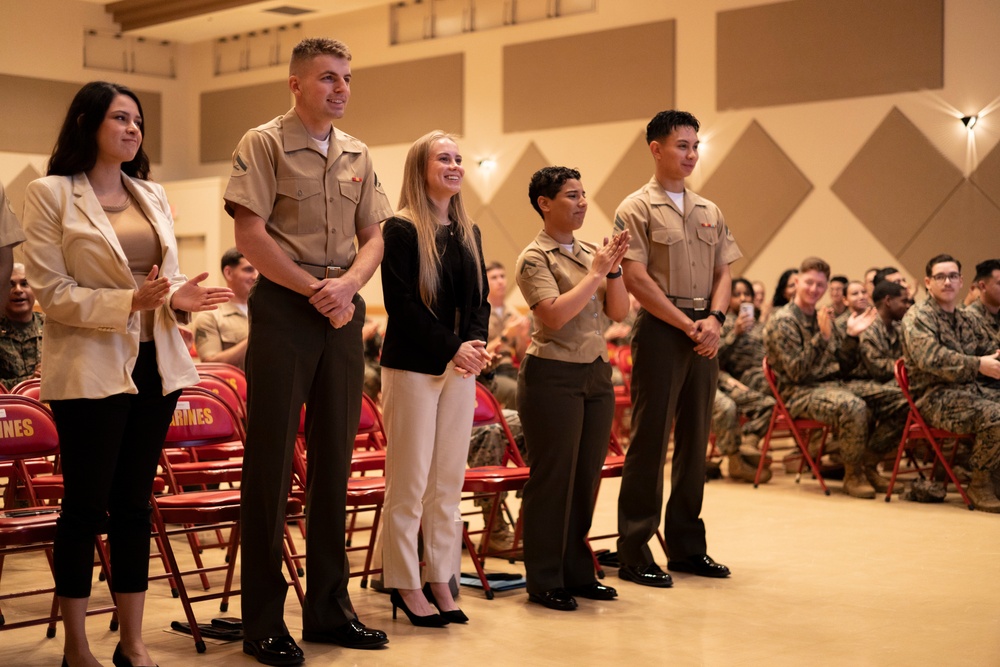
x=434 y=285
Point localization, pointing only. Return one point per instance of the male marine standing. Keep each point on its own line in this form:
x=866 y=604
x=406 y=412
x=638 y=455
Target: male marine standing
x=678 y=269
x=300 y=192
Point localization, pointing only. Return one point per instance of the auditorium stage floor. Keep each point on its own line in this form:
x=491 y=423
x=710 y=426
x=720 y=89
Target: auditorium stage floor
x=816 y=581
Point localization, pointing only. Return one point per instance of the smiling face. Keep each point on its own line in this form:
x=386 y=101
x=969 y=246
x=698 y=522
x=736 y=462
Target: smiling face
x=810 y=288
x=120 y=133
x=444 y=171
x=564 y=213
x=856 y=297
x=322 y=88
x=740 y=294
x=22 y=299
x=676 y=157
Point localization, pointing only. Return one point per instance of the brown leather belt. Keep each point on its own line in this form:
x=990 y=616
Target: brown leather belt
x=322 y=271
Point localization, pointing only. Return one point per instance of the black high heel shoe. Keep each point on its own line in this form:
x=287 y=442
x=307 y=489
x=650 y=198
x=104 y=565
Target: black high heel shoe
x=431 y=621
x=453 y=616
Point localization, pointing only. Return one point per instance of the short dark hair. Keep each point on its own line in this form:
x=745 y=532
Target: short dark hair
x=939 y=259
x=494 y=265
x=312 y=47
x=665 y=122
x=840 y=279
x=886 y=289
x=985 y=269
x=746 y=283
x=232 y=258
x=815 y=264
x=75 y=151
x=547 y=182
x=881 y=274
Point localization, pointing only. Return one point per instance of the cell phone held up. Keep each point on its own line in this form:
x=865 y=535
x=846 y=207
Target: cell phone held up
x=746 y=310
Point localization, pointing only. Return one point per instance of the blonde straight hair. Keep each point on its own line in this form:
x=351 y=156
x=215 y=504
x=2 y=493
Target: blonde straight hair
x=416 y=206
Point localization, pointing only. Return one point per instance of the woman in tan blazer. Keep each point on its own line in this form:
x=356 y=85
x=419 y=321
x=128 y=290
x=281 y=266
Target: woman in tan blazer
x=102 y=258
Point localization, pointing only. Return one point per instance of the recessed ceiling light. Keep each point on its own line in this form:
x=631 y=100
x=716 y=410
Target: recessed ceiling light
x=289 y=11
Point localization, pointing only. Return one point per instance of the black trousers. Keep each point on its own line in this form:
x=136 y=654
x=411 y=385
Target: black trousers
x=109 y=449
x=672 y=386
x=566 y=411
x=295 y=356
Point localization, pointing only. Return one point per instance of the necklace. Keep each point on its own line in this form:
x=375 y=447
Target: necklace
x=118 y=208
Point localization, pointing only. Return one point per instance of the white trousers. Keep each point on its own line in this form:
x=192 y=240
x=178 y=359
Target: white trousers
x=428 y=423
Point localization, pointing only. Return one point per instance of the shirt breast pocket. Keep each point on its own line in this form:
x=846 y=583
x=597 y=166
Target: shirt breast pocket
x=666 y=235
x=300 y=205
x=709 y=235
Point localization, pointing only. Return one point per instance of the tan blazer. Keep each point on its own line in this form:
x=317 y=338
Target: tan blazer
x=81 y=278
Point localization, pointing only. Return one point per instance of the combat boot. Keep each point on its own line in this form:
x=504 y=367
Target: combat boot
x=878 y=482
x=855 y=483
x=981 y=492
x=741 y=469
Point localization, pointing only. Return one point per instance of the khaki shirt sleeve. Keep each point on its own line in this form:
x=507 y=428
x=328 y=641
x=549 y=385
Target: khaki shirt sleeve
x=633 y=215
x=373 y=206
x=207 y=337
x=10 y=229
x=252 y=182
x=726 y=250
x=534 y=277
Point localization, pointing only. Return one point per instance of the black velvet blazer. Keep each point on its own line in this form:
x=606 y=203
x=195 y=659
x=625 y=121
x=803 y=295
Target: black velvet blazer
x=415 y=339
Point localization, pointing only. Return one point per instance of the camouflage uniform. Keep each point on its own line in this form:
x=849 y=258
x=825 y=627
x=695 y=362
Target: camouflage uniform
x=989 y=320
x=740 y=355
x=942 y=353
x=730 y=403
x=20 y=349
x=488 y=443
x=881 y=346
x=808 y=372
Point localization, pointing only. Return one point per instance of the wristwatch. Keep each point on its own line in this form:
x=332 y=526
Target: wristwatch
x=719 y=315
x=616 y=274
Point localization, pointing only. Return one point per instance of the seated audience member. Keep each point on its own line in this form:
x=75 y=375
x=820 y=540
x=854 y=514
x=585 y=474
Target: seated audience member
x=869 y=283
x=953 y=366
x=20 y=333
x=508 y=339
x=836 y=293
x=785 y=290
x=486 y=448
x=10 y=236
x=971 y=296
x=987 y=304
x=881 y=342
x=741 y=342
x=221 y=334
x=734 y=441
x=759 y=297
x=893 y=275
x=802 y=347
x=371 y=336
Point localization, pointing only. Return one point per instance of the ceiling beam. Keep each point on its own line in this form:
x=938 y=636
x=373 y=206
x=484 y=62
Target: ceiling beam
x=134 y=14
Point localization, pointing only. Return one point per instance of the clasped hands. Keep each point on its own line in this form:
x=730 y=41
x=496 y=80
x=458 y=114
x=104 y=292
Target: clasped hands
x=472 y=358
x=334 y=299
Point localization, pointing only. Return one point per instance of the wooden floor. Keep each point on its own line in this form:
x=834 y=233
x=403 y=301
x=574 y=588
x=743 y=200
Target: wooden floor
x=816 y=581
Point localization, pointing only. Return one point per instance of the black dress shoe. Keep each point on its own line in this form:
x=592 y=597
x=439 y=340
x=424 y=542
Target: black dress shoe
x=274 y=650
x=646 y=575
x=352 y=634
x=701 y=565
x=557 y=598
x=453 y=615
x=593 y=591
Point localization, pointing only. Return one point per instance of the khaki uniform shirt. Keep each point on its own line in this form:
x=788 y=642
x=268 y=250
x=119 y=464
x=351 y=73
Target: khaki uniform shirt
x=680 y=250
x=220 y=329
x=991 y=321
x=544 y=271
x=10 y=229
x=313 y=205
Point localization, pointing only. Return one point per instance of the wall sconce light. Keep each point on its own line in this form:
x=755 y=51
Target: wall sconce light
x=970 y=122
x=487 y=164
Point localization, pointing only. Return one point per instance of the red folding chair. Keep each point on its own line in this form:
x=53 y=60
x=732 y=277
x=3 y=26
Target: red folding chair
x=28 y=432
x=202 y=419
x=623 y=397
x=492 y=481
x=236 y=378
x=799 y=429
x=917 y=430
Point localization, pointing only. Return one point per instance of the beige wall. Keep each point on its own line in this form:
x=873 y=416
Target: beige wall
x=821 y=138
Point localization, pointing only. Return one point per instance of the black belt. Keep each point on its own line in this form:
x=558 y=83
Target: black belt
x=693 y=304
x=322 y=271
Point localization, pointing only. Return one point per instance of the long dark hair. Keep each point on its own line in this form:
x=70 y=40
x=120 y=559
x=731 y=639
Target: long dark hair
x=779 y=300
x=75 y=151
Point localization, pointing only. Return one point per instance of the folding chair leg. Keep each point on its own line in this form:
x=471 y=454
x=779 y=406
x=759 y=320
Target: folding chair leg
x=370 y=554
